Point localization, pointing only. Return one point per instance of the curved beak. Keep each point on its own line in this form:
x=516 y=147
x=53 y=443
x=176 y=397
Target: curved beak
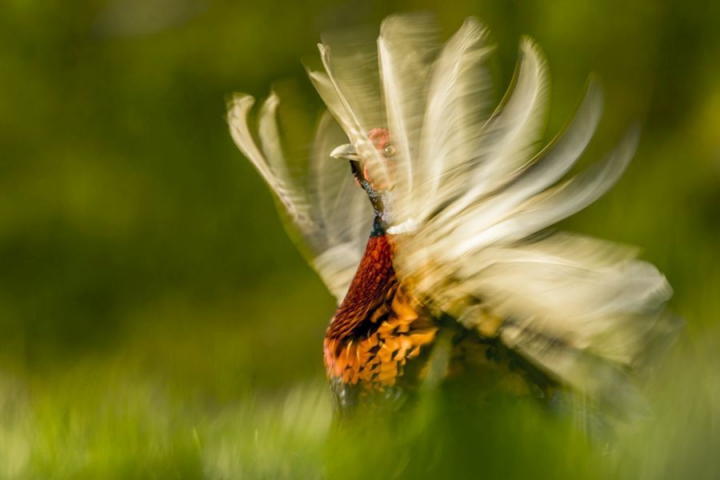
x=345 y=152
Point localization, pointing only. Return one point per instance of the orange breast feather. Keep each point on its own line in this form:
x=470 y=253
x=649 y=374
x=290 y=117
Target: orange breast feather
x=378 y=328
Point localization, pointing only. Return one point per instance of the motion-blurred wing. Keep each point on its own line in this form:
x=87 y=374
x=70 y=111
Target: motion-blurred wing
x=324 y=211
x=585 y=311
x=350 y=88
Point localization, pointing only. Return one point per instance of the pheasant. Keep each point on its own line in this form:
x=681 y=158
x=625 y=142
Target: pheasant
x=461 y=277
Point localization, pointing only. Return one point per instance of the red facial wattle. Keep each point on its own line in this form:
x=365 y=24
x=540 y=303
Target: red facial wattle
x=380 y=138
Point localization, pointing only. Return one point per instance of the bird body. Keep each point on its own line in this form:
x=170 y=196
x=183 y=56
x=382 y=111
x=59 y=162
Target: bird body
x=381 y=340
x=377 y=330
x=460 y=276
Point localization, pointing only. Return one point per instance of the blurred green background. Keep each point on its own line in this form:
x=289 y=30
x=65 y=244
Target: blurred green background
x=156 y=321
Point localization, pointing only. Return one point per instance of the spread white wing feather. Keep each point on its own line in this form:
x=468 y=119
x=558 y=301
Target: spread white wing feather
x=325 y=211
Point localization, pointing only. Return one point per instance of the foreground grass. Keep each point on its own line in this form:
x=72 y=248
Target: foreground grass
x=102 y=420
x=77 y=430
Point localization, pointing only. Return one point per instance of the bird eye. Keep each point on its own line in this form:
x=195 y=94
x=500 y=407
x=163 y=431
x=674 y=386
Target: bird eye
x=389 y=151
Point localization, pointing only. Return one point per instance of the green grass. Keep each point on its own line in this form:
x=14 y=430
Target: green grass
x=99 y=421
